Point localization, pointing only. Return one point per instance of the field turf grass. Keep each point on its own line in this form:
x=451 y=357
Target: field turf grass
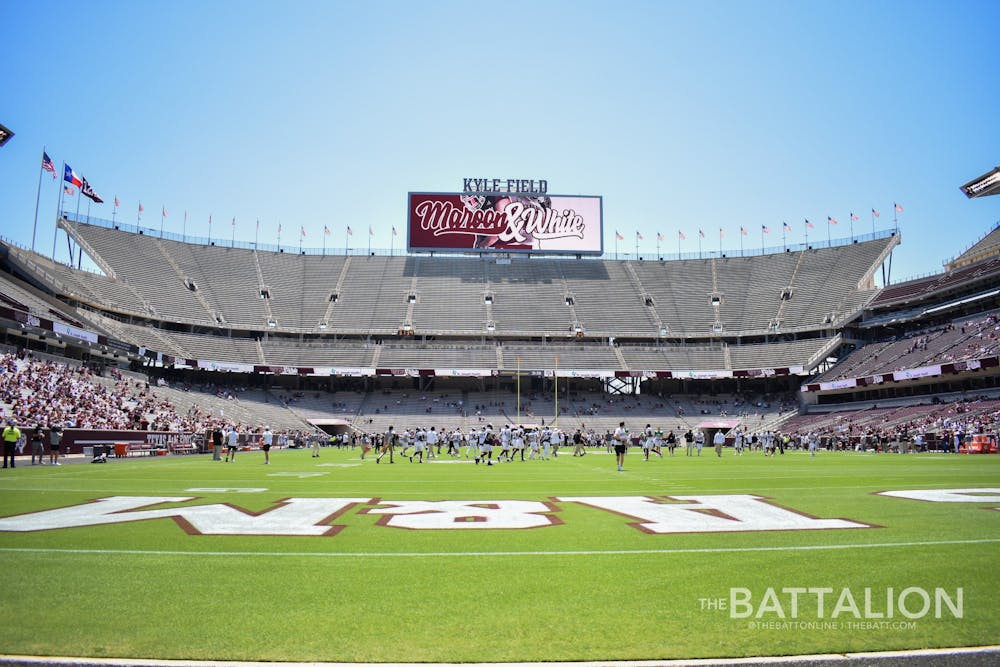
x=591 y=587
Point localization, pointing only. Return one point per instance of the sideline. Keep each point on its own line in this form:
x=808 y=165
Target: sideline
x=971 y=656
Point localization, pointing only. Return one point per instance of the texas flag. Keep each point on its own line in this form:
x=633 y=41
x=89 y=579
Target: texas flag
x=70 y=177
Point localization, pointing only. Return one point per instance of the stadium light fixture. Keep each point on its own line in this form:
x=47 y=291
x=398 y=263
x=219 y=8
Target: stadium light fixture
x=5 y=135
x=985 y=185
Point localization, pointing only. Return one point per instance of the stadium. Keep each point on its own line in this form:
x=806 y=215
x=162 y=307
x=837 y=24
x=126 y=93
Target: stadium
x=786 y=352
x=556 y=333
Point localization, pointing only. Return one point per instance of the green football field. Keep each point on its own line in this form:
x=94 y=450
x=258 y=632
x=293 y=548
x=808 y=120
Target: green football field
x=335 y=559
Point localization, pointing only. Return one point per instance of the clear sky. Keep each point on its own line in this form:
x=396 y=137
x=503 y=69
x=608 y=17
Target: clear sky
x=683 y=115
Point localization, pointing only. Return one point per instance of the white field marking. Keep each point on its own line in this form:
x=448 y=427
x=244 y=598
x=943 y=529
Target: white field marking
x=224 y=489
x=464 y=554
x=300 y=475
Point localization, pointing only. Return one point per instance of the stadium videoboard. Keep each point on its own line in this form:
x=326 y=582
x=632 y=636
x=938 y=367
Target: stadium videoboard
x=504 y=222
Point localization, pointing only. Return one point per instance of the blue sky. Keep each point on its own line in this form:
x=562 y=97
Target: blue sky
x=684 y=116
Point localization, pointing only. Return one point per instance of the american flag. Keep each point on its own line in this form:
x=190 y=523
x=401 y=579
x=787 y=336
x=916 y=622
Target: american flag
x=809 y=225
x=47 y=164
x=68 y=190
x=765 y=229
x=141 y=209
x=394 y=231
x=875 y=213
x=638 y=235
x=233 y=223
x=722 y=234
x=659 y=236
x=701 y=233
x=787 y=227
x=350 y=232
x=680 y=235
x=743 y=230
x=163 y=211
x=302 y=230
x=899 y=208
x=618 y=235
x=117 y=203
x=853 y=217
x=831 y=220
x=326 y=230
x=371 y=232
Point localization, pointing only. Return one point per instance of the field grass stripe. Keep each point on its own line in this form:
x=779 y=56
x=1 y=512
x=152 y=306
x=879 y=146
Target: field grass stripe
x=462 y=554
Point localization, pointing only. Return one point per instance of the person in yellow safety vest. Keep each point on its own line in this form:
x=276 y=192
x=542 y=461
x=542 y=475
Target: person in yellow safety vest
x=11 y=434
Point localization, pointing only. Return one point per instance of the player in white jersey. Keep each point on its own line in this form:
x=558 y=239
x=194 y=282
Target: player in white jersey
x=419 y=445
x=486 y=444
x=534 y=444
x=648 y=441
x=517 y=441
x=505 y=443
x=472 y=443
x=558 y=438
x=432 y=442
x=546 y=442
x=455 y=443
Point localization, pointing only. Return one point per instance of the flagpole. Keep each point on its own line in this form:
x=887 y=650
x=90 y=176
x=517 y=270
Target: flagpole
x=162 y=211
x=88 y=210
x=828 y=226
x=678 y=245
x=114 y=210
x=873 y=222
x=720 y=241
x=741 y=241
x=657 y=245
x=392 y=243
x=76 y=222
x=555 y=377
x=184 y=227
x=324 y=239
x=784 y=230
x=895 y=217
x=637 y=245
x=209 y=229
x=38 y=197
x=369 y=240
x=851 y=221
x=347 y=241
x=807 y=233
x=62 y=191
x=762 y=239
x=256 y=234
x=233 y=243
x=518 y=390
x=279 y=236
